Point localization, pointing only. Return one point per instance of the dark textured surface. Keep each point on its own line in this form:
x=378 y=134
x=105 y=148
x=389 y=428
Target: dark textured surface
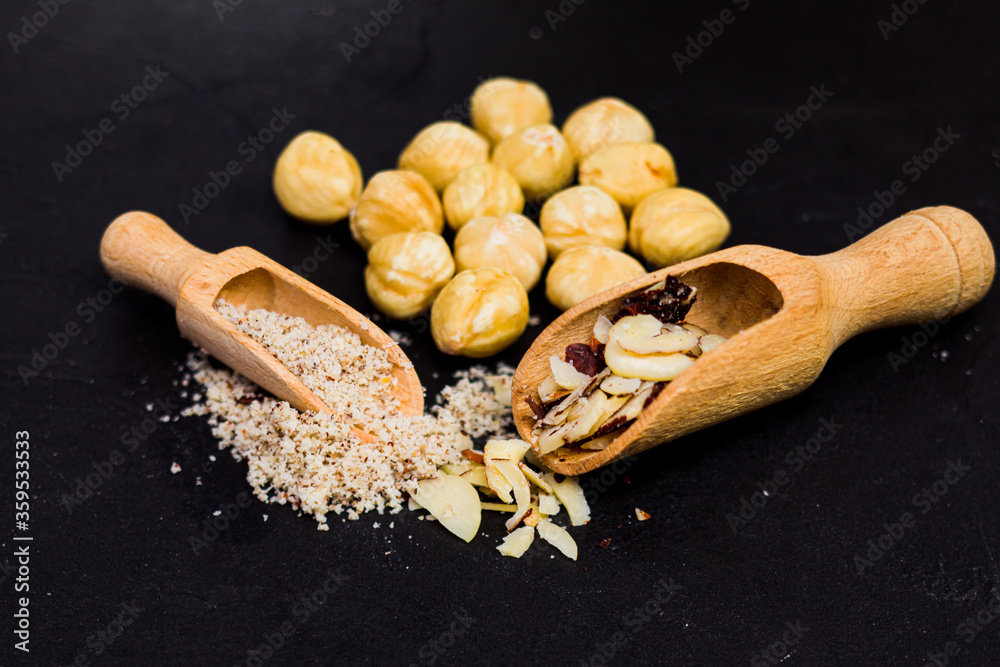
x=731 y=593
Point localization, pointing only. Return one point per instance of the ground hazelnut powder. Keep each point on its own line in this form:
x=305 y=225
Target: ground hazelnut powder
x=315 y=462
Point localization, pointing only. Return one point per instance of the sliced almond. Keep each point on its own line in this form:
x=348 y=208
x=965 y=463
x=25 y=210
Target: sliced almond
x=522 y=491
x=602 y=328
x=502 y=451
x=615 y=384
x=535 y=478
x=557 y=537
x=498 y=507
x=635 y=327
x=456 y=468
x=452 y=501
x=548 y=389
x=566 y=375
x=517 y=542
x=413 y=505
x=652 y=367
x=710 y=342
x=500 y=384
x=548 y=504
x=667 y=343
x=533 y=516
x=642 y=516
x=696 y=330
x=476 y=476
x=571 y=495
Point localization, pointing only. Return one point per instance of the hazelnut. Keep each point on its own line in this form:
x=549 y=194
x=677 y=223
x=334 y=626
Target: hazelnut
x=502 y=106
x=316 y=179
x=676 y=225
x=512 y=244
x=538 y=158
x=406 y=271
x=630 y=172
x=482 y=189
x=582 y=215
x=602 y=123
x=395 y=202
x=479 y=313
x=441 y=150
x=584 y=271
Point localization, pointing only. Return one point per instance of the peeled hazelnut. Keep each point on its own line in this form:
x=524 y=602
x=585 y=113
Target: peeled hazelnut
x=502 y=106
x=441 y=150
x=582 y=272
x=676 y=225
x=479 y=313
x=602 y=123
x=482 y=189
x=405 y=272
x=316 y=179
x=582 y=215
x=395 y=202
x=539 y=158
x=512 y=244
x=630 y=172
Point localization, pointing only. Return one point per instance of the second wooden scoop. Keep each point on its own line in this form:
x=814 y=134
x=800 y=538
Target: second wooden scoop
x=140 y=249
x=784 y=315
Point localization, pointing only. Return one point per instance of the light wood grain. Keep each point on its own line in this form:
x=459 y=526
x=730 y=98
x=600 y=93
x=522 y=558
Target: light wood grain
x=140 y=249
x=785 y=314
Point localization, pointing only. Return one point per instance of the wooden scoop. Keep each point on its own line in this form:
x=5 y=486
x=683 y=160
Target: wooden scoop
x=784 y=315
x=140 y=249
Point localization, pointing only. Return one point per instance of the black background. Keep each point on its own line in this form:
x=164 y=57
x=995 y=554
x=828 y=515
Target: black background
x=734 y=591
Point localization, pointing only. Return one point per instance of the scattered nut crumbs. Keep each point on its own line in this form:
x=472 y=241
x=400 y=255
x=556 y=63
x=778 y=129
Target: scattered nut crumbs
x=605 y=543
x=642 y=516
x=175 y=468
x=314 y=462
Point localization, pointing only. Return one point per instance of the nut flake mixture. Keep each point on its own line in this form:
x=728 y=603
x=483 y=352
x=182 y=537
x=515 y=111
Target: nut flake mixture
x=314 y=461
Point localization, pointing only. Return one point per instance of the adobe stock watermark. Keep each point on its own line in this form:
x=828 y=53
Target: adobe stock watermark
x=554 y=16
x=248 y=150
x=221 y=520
x=786 y=127
x=323 y=251
x=306 y=606
x=31 y=24
x=778 y=651
x=104 y=469
x=925 y=501
x=59 y=340
x=121 y=107
x=431 y=651
x=696 y=44
x=898 y=17
x=796 y=460
x=223 y=7
x=363 y=35
x=911 y=344
x=99 y=642
x=631 y=622
x=973 y=626
x=915 y=167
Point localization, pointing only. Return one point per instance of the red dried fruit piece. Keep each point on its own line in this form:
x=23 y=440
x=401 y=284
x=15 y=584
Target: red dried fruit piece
x=584 y=360
x=670 y=304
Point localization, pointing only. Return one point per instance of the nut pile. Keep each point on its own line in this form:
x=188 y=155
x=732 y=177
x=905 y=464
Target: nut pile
x=318 y=464
x=478 y=179
x=601 y=387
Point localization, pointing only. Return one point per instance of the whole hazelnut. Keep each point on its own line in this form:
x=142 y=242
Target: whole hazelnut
x=630 y=172
x=482 y=189
x=582 y=272
x=441 y=150
x=582 y=215
x=316 y=179
x=602 y=123
x=512 y=244
x=502 y=106
x=538 y=158
x=676 y=225
x=394 y=202
x=479 y=313
x=406 y=271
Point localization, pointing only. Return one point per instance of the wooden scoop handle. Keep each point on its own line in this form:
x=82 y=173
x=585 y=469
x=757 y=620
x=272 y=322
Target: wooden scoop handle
x=929 y=264
x=140 y=249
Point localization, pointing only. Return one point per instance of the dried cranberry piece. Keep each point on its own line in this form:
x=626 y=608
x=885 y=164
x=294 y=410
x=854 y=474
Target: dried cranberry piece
x=584 y=359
